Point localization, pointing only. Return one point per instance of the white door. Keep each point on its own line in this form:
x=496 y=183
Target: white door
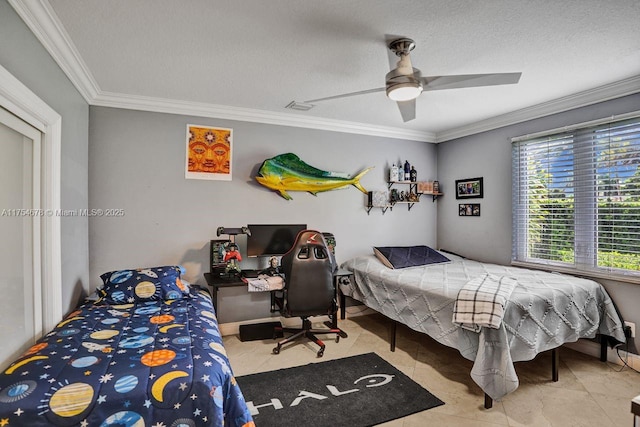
x=20 y=237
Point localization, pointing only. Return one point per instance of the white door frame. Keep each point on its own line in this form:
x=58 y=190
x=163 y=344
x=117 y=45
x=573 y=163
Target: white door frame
x=18 y=99
x=32 y=181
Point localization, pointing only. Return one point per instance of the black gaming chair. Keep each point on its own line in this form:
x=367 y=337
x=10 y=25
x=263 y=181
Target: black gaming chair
x=308 y=269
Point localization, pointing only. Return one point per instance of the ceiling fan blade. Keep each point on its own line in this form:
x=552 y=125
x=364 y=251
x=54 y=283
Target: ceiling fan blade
x=345 y=95
x=469 y=80
x=407 y=109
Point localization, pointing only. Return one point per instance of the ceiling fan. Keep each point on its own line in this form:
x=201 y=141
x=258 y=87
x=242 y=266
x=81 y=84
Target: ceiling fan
x=405 y=83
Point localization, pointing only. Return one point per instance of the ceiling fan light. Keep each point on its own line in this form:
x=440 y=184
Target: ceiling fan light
x=404 y=91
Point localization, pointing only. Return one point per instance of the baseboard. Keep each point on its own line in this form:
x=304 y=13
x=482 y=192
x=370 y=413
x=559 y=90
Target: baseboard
x=593 y=349
x=583 y=346
x=233 y=328
x=359 y=310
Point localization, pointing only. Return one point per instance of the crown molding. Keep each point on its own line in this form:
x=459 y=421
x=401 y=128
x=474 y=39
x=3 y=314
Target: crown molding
x=43 y=22
x=581 y=99
x=172 y=106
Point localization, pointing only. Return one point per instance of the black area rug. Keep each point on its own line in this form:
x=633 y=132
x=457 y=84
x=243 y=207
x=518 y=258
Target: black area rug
x=354 y=391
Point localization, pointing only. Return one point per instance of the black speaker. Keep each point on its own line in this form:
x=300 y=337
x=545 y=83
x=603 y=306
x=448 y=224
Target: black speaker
x=260 y=331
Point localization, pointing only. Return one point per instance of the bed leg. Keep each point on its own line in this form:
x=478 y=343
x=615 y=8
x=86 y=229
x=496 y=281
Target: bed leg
x=603 y=348
x=555 y=361
x=394 y=327
x=488 y=401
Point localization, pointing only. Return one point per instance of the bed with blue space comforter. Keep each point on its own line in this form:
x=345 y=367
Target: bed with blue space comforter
x=144 y=355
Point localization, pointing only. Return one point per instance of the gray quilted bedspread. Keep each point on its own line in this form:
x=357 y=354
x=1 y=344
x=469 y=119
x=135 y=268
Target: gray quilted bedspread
x=544 y=311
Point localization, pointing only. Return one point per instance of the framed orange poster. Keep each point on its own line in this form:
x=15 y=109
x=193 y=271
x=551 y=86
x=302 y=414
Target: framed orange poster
x=209 y=153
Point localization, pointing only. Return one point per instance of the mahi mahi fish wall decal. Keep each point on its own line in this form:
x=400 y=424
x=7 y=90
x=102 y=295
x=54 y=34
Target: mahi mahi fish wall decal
x=286 y=172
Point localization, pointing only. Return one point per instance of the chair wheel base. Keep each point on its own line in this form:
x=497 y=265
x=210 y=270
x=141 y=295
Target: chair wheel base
x=306 y=332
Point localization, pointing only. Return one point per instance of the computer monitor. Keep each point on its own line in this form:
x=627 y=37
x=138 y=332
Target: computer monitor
x=272 y=239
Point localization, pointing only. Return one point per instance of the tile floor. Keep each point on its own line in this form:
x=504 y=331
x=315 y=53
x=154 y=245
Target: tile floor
x=588 y=393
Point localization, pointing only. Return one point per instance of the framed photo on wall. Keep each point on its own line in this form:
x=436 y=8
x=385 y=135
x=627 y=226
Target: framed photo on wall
x=209 y=153
x=469 y=209
x=470 y=188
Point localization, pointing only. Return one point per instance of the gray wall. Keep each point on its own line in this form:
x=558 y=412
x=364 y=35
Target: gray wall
x=136 y=163
x=488 y=155
x=24 y=57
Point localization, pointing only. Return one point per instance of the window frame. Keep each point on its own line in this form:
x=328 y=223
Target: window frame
x=585 y=222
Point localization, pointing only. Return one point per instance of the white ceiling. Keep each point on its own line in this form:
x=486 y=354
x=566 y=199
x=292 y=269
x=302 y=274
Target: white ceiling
x=247 y=59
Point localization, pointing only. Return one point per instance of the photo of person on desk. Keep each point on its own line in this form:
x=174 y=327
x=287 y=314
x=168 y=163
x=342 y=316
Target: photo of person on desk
x=273 y=268
x=269 y=279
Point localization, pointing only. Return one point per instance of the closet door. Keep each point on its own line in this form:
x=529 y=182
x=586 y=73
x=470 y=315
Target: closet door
x=20 y=239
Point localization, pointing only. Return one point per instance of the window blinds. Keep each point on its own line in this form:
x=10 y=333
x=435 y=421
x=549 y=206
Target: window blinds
x=576 y=197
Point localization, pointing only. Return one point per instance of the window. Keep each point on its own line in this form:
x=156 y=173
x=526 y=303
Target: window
x=576 y=197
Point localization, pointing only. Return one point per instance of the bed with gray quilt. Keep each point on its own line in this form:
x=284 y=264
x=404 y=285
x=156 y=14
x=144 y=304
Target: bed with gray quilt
x=544 y=311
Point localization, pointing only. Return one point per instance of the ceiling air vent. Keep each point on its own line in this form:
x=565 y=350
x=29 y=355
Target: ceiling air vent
x=301 y=106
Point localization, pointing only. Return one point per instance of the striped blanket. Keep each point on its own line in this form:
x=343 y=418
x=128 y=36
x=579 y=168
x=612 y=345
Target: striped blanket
x=481 y=301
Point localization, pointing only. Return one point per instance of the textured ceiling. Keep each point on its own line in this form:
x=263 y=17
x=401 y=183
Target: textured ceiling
x=260 y=55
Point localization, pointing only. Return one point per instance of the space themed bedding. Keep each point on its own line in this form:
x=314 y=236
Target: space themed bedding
x=144 y=361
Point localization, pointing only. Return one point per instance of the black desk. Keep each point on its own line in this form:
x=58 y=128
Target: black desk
x=216 y=282
x=336 y=282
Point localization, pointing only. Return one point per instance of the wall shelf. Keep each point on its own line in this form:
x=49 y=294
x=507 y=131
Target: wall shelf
x=383 y=208
x=413 y=189
x=409 y=183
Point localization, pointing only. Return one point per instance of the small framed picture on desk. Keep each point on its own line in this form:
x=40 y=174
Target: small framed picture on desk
x=217 y=250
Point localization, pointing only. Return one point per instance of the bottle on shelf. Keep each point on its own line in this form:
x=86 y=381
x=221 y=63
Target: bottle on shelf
x=407 y=170
x=393 y=173
x=413 y=174
x=436 y=187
